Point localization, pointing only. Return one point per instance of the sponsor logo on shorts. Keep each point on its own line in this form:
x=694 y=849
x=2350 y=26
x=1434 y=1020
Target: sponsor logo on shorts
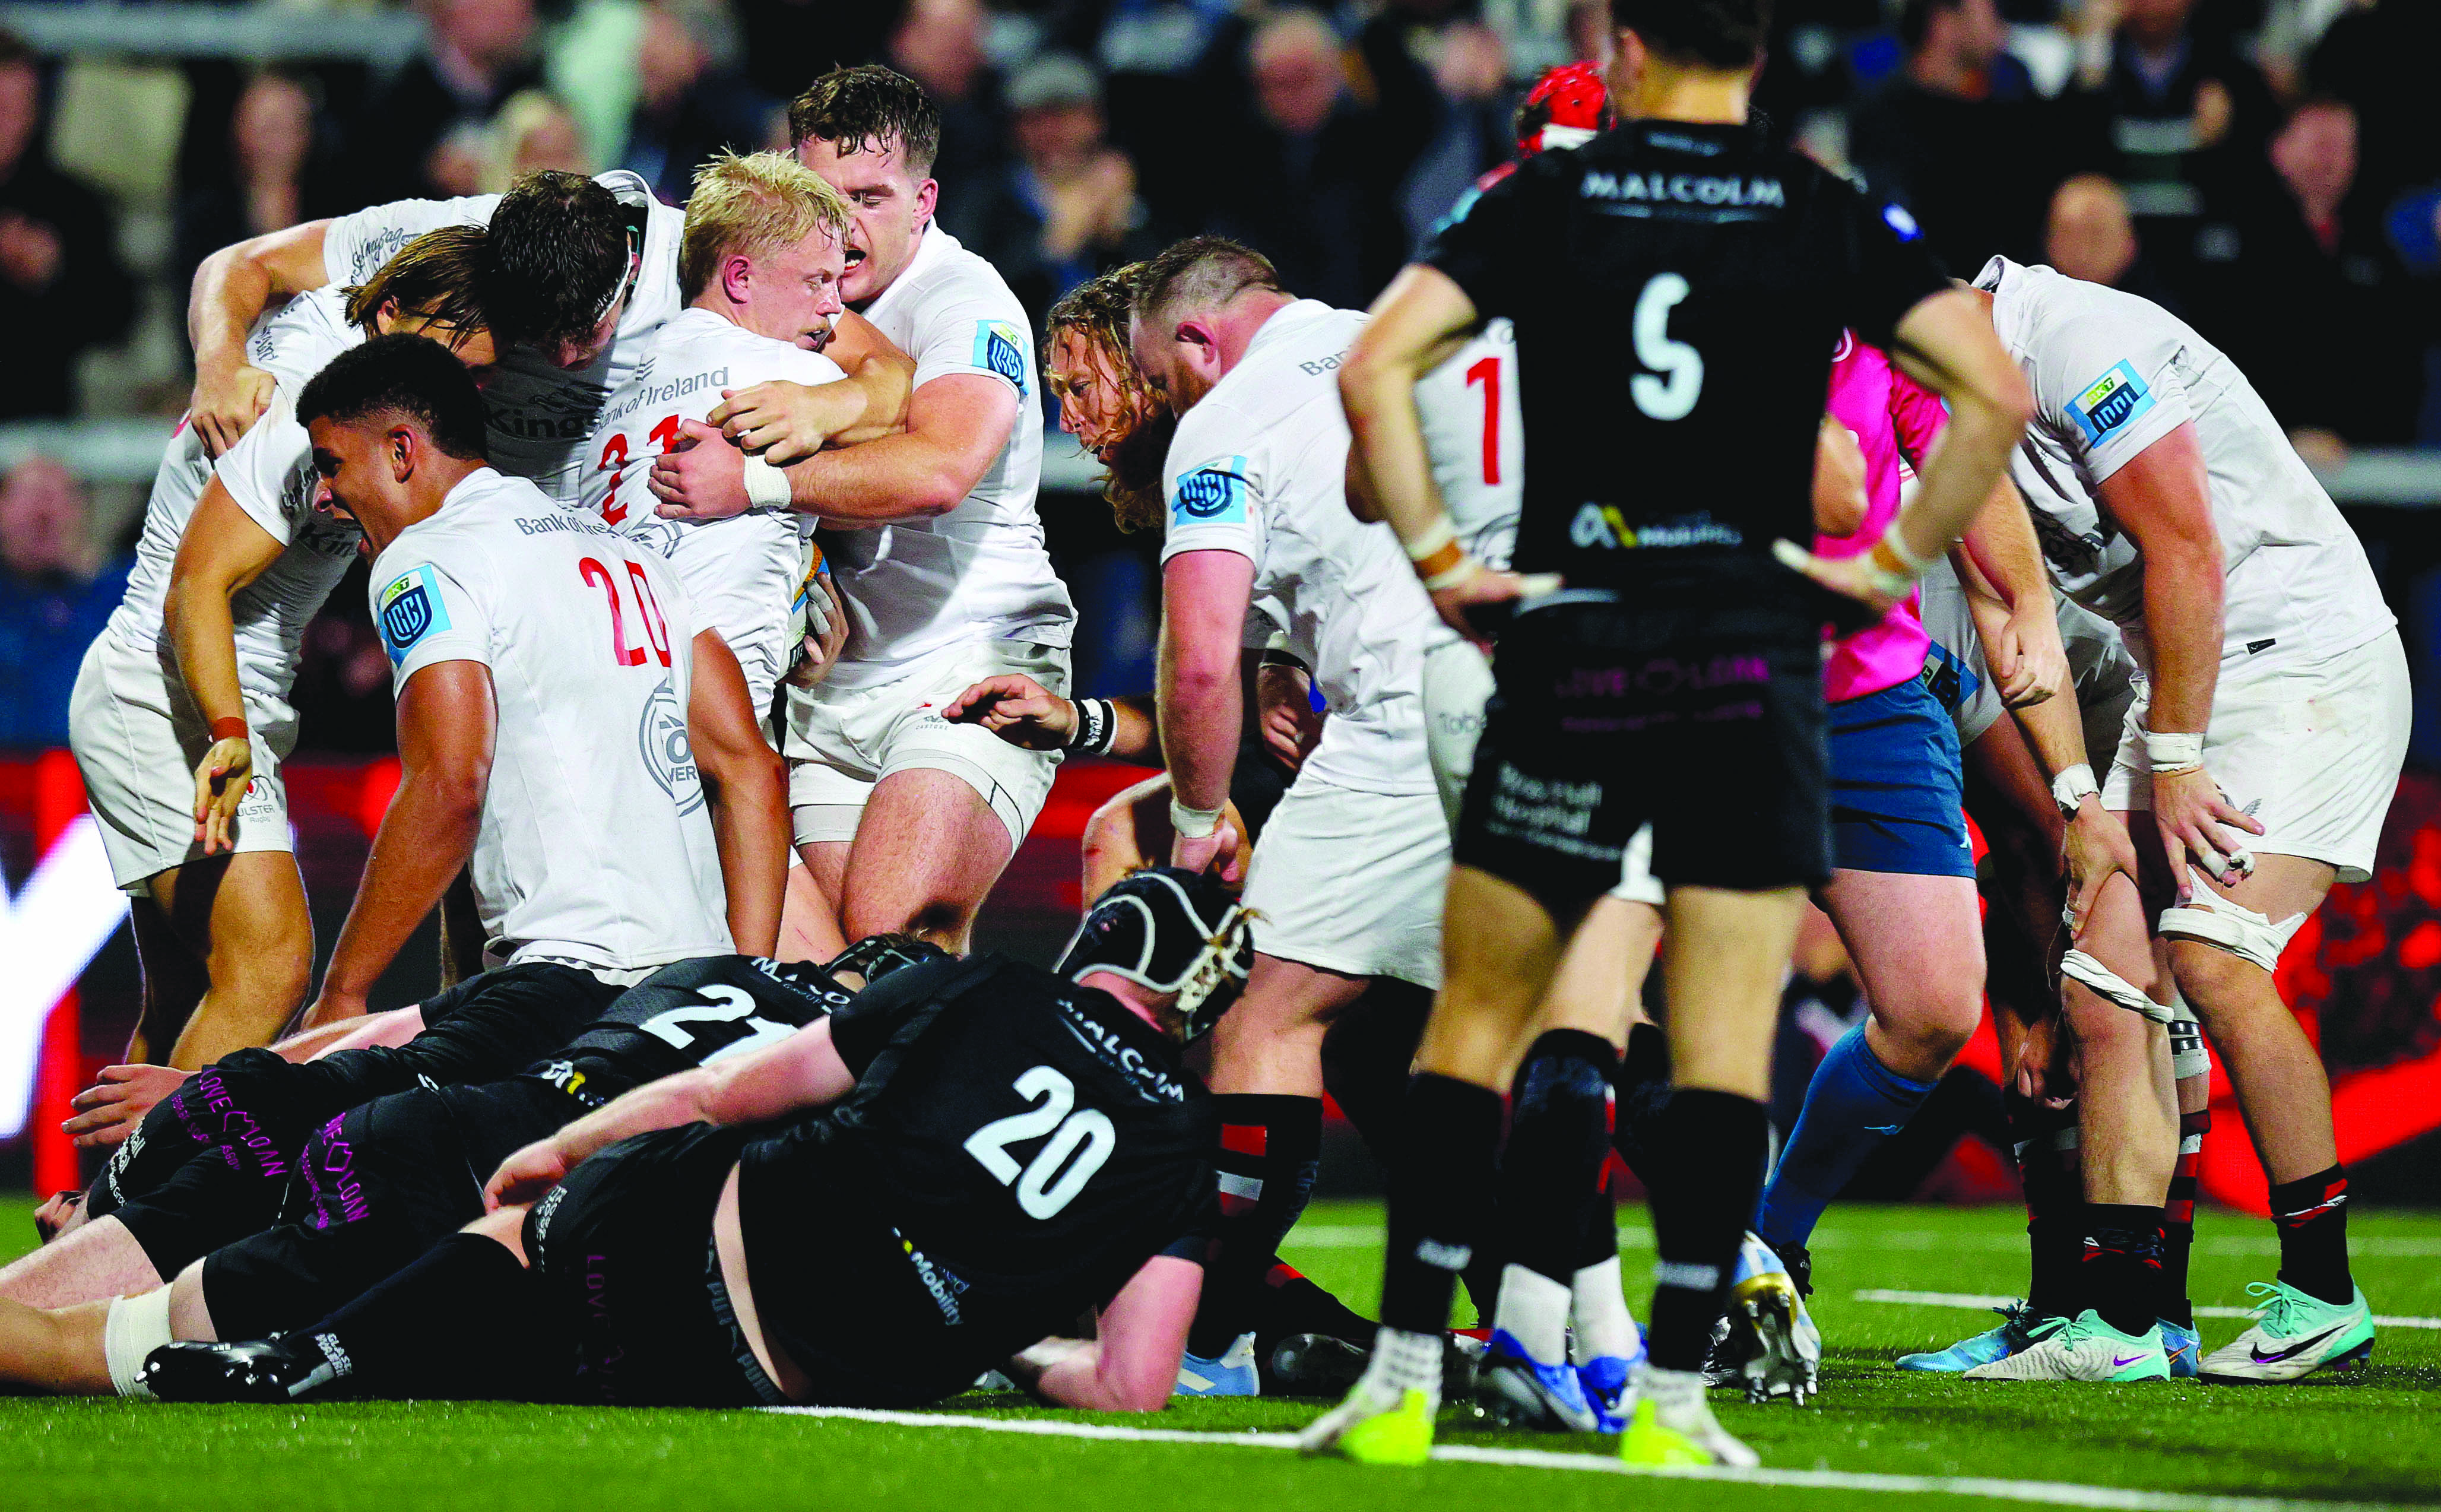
x=662 y=739
x=410 y=609
x=1213 y=493
x=1000 y=348
x=1601 y=527
x=2110 y=403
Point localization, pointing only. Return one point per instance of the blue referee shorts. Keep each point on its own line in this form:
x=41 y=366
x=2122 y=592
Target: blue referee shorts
x=1897 y=795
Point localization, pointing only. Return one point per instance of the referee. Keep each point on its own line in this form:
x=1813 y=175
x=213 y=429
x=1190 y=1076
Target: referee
x=1677 y=287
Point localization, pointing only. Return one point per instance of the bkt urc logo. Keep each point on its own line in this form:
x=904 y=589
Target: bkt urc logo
x=999 y=348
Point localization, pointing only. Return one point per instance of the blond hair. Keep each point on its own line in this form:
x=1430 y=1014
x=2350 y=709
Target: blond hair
x=752 y=206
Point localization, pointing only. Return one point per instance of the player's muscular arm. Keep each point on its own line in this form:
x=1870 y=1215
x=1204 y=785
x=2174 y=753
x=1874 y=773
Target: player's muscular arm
x=2021 y=644
x=221 y=551
x=446 y=724
x=1132 y=1365
x=1201 y=702
x=748 y=792
x=955 y=426
x=231 y=290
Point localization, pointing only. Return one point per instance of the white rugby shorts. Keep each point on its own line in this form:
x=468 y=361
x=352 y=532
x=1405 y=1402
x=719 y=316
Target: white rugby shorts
x=1352 y=882
x=1458 y=683
x=2312 y=752
x=138 y=738
x=841 y=741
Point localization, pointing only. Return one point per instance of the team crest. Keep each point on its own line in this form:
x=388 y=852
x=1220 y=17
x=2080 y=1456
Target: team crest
x=2108 y=403
x=407 y=610
x=1212 y=494
x=1000 y=348
x=662 y=739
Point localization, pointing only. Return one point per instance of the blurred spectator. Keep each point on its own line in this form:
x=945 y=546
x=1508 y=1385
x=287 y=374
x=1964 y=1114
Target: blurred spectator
x=1312 y=179
x=2089 y=235
x=61 y=286
x=55 y=595
x=1961 y=139
x=1067 y=208
x=784 y=44
x=686 y=109
x=477 y=53
x=272 y=180
x=939 y=43
x=2378 y=57
x=342 y=694
x=533 y=132
x=1470 y=68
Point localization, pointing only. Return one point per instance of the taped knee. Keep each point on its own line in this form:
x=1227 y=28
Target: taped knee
x=2234 y=927
x=2188 y=1056
x=2105 y=983
x=134 y=1328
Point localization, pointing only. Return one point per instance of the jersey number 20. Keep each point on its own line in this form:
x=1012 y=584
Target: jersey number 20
x=1671 y=389
x=1081 y=1144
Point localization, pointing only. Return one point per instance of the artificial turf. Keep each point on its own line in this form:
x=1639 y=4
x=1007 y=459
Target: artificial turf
x=2375 y=1438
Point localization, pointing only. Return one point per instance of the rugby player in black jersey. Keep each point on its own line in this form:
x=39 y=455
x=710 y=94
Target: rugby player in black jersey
x=1677 y=287
x=932 y=1181
x=375 y=1186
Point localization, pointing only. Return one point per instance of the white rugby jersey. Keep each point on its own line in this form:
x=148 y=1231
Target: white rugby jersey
x=980 y=571
x=270 y=475
x=1474 y=433
x=1258 y=467
x=540 y=416
x=2112 y=374
x=740 y=573
x=595 y=846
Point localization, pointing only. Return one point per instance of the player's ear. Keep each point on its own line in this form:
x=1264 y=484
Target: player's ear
x=927 y=194
x=736 y=276
x=406 y=449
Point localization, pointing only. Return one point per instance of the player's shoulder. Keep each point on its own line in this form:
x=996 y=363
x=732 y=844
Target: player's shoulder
x=2059 y=326
x=302 y=336
x=954 y=282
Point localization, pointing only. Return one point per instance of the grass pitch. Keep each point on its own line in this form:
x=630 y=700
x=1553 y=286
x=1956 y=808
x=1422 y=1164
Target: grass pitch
x=1875 y=1440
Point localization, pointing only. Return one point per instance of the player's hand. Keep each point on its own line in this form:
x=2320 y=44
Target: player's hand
x=1852 y=577
x=2028 y=660
x=779 y=422
x=1016 y=709
x=1285 y=715
x=1482 y=588
x=109 y=1111
x=696 y=481
x=59 y=1213
x=2194 y=818
x=221 y=781
x=224 y=405
x=2096 y=845
x=2042 y=1072
x=526 y=1176
x=1217 y=852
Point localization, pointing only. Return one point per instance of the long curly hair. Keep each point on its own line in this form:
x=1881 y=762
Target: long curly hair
x=1095 y=312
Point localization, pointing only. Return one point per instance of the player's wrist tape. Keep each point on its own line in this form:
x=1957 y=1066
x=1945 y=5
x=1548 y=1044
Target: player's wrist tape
x=1456 y=572
x=2170 y=751
x=1440 y=560
x=2071 y=788
x=766 y=486
x=1193 y=823
x=1097 y=723
x=228 y=726
x=1894 y=568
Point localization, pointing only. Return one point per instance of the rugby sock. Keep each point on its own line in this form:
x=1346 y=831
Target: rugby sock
x=1290 y=1303
x=1599 y=1325
x=2054 y=1206
x=1641 y=1086
x=2179 y=1219
x=1269 y=1150
x=1717 y=1142
x=1440 y=1199
x=1854 y=1105
x=2122 y=1270
x=1559 y=1143
x=2313 y=1217
x=459 y=1322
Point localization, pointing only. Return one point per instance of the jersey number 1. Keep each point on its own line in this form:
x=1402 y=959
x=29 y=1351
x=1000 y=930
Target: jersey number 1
x=1486 y=373
x=1081 y=1141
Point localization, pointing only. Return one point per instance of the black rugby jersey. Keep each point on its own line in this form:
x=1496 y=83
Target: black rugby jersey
x=685 y=1015
x=1677 y=292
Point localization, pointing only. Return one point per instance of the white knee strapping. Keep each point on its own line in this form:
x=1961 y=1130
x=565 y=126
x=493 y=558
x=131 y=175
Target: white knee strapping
x=134 y=1328
x=2230 y=927
x=2188 y=1056
x=2078 y=967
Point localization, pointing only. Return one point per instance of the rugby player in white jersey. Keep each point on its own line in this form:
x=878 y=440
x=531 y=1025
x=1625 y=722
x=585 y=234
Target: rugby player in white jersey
x=180 y=719
x=2267 y=743
x=932 y=536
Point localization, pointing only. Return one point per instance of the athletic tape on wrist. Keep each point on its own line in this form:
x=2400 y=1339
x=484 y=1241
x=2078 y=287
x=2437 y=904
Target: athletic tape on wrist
x=2173 y=750
x=228 y=726
x=2071 y=788
x=134 y=1328
x=1440 y=533
x=1465 y=567
x=1193 y=823
x=1098 y=725
x=2078 y=967
x=766 y=486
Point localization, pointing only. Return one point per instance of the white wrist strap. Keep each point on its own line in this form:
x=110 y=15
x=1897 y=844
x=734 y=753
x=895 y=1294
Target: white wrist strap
x=1467 y=566
x=2170 y=752
x=1440 y=534
x=766 y=486
x=2071 y=788
x=1193 y=823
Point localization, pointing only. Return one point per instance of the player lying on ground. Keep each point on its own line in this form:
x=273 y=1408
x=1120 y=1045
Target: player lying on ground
x=933 y=1181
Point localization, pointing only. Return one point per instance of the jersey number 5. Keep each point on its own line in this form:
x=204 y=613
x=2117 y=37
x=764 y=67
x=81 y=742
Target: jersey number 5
x=1671 y=389
x=1081 y=1144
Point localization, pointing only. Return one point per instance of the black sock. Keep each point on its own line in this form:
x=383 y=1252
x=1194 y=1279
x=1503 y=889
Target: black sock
x=1642 y=1088
x=1700 y=1210
x=1441 y=1197
x=2312 y=1216
x=463 y=1321
x=1291 y=1304
x=1597 y=1236
x=1368 y=1057
x=2054 y=1207
x=2179 y=1219
x=1559 y=1143
x=2122 y=1270
x=1269 y=1150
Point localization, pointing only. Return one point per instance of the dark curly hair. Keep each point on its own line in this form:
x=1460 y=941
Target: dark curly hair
x=865 y=109
x=1096 y=313
x=561 y=248
x=406 y=375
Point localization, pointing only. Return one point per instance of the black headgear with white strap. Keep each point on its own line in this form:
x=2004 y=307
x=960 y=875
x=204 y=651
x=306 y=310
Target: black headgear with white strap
x=876 y=956
x=1172 y=932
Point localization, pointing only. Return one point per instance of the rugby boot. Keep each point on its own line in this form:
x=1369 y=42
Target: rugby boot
x=1765 y=1342
x=1313 y=1365
x=1608 y=1383
x=1671 y=1425
x=286 y=1369
x=2019 y=1326
x=2084 y=1348
x=2185 y=1348
x=1518 y=1390
x=1231 y=1373
x=2295 y=1334
x=1377 y=1424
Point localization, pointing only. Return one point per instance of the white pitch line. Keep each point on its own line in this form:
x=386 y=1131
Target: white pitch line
x=1358 y=1236
x=1969 y=1299
x=2052 y=1493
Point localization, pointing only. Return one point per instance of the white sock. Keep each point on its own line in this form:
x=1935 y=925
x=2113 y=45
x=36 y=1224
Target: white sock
x=1600 y=1325
x=1671 y=1392
x=1408 y=1362
x=1533 y=1309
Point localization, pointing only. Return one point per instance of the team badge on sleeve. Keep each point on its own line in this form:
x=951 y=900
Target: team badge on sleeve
x=1213 y=493
x=1000 y=348
x=2108 y=403
x=410 y=609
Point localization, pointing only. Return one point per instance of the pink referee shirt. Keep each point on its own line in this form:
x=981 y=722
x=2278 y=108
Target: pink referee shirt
x=1892 y=419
